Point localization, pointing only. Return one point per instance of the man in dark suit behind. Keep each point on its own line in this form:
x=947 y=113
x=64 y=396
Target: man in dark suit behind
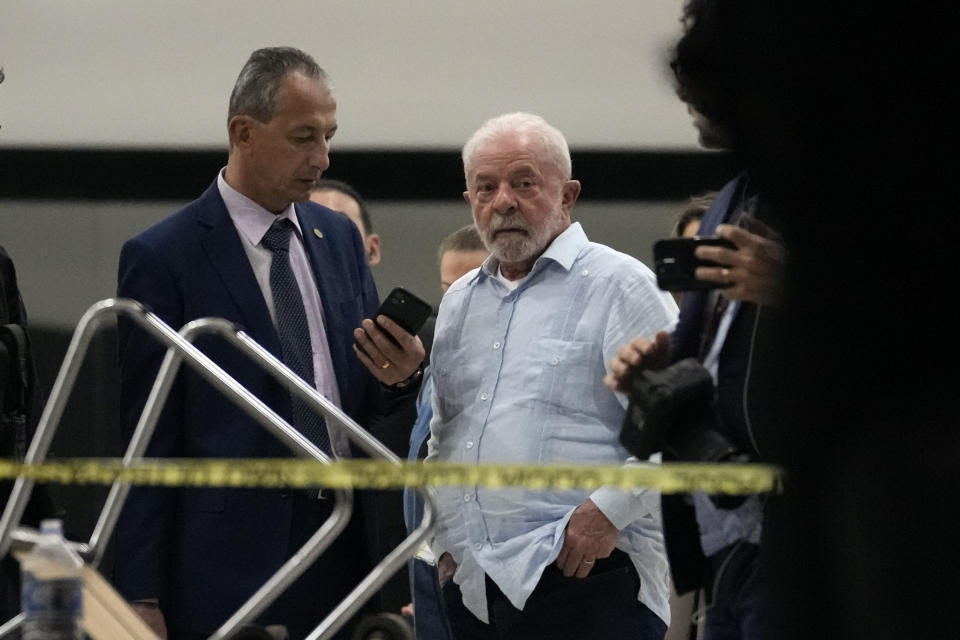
x=187 y=559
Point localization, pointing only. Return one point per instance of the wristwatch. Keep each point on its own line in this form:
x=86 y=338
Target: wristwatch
x=414 y=378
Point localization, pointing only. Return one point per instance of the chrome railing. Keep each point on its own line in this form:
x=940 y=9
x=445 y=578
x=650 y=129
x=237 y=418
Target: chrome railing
x=180 y=348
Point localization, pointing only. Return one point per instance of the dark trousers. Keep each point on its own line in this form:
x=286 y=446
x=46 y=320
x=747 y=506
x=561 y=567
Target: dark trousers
x=740 y=606
x=429 y=612
x=383 y=518
x=602 y=605
x=321 y=587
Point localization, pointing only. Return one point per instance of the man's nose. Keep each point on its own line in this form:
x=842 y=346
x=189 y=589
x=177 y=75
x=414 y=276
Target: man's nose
x=504 y=200
x=320 y=157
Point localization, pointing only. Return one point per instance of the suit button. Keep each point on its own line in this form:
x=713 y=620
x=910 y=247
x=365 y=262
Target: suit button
x=285 y=493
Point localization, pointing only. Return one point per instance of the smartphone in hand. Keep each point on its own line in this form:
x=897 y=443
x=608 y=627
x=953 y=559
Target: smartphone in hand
x=675 y=263
x=406 y=309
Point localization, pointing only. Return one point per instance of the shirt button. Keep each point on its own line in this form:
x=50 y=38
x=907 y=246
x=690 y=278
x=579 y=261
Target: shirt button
x=469 y=444
x=555 y=361
x=466 y=498
x=496 y=345
x=478 y=546
x=584 y=273
x=483 y=396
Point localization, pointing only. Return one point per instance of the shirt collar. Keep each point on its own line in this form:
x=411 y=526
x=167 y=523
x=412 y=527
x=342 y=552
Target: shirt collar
x=251 y=220
x=563 y=250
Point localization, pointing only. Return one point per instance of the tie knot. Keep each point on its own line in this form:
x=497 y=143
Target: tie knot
x=277 y=237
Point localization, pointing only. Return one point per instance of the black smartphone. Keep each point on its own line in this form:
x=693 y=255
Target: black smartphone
x=675 y=264
x=404 y=308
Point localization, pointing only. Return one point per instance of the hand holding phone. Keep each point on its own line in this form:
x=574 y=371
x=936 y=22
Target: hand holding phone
x=406 y=309
x=391 y=360
x=675 y=263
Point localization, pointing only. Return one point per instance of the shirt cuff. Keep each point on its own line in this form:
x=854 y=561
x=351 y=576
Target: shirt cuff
x=621 y=507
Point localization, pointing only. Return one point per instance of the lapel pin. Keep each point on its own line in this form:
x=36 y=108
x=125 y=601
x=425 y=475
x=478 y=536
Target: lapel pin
x=317 y=233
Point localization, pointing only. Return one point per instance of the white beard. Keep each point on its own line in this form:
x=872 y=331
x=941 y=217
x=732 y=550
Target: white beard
x=520 y=247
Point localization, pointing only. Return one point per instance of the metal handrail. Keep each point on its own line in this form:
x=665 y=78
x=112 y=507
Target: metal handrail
x=153 y=407
x=180 y=348
x=253 y=406
x=89 y=323
x=298 y=563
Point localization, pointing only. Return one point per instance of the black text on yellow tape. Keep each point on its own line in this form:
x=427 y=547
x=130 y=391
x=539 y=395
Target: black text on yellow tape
x=379 y=474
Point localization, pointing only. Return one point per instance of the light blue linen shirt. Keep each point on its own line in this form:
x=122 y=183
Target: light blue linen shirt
x=518 y=378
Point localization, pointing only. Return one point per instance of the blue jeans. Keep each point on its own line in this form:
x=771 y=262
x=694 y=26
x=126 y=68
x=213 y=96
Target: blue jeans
x=429 y=615
x=740 y=609
x=602 y=605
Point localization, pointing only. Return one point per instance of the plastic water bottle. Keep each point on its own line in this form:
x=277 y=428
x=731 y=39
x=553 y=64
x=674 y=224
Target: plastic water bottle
x=52 y=587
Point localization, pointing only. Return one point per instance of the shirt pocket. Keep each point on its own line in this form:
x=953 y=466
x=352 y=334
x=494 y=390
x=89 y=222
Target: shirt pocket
x=563 y=373
x=456 y=377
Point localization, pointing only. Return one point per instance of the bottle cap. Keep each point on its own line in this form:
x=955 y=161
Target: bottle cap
x=51 y=525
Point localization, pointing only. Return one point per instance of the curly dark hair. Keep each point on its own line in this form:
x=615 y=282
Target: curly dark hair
x=727 y=60
x=704 y=58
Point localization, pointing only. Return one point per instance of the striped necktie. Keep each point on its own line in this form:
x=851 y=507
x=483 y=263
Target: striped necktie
x=293 y=329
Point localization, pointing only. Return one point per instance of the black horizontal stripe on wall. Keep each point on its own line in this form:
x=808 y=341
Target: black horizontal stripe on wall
x=158 y=174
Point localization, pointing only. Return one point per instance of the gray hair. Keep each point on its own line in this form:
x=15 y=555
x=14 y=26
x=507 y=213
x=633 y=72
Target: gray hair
x=255 y=92
x=521 y=123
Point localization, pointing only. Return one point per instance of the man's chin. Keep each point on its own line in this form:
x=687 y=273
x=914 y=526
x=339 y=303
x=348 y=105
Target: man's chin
x=300 y=195
x=513 y=252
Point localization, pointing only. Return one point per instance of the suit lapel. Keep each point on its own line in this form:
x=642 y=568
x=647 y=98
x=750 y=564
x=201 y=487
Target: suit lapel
x=694 y=306
x=317 y=240
x=221 y=242
x=315 y=243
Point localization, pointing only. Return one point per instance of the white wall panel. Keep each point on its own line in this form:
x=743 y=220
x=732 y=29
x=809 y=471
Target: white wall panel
x=422 y=73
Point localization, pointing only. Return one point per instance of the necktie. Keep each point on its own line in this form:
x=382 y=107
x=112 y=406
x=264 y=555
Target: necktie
x=292 y=329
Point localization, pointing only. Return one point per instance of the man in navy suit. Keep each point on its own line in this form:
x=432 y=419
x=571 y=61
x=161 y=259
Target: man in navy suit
x=187 y=559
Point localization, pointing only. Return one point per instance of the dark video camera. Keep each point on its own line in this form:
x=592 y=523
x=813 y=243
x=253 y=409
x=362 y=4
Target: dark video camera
x=672 y=410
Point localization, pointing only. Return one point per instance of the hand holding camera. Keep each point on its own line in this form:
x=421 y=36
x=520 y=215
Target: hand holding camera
x=637 y=355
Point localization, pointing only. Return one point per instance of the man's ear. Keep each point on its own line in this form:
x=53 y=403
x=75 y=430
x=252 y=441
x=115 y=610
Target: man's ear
x=372 y=243
x=466 y=196
x=571 y=191
x=240 y=129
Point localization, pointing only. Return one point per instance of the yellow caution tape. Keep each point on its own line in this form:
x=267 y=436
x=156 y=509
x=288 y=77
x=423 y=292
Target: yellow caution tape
x=380 y=474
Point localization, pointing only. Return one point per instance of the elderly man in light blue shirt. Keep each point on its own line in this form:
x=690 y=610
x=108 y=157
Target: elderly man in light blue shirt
x=519 y=359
